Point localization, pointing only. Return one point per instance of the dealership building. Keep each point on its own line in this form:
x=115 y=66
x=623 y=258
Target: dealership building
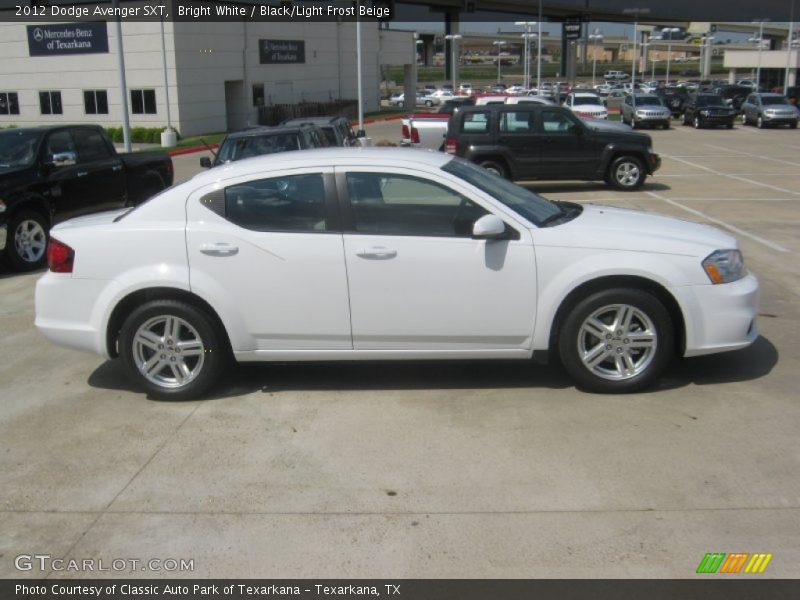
x=218 y=74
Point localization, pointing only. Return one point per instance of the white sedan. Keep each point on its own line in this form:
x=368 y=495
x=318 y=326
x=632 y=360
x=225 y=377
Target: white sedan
x=387 y=254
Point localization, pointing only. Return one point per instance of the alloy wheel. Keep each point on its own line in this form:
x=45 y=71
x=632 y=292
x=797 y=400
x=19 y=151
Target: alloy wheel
x=168 y=351
x=617 y=342
x=30 y=241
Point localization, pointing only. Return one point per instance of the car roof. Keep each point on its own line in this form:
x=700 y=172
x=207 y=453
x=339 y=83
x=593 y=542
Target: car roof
x=319 y=121
x=276 y=130
x=324 y=158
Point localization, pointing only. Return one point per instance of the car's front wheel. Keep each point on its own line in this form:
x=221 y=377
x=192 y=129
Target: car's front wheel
x=616 y=341
x=26 y=247
x=626 y=173
x=760 y=122
x=697 y=123
x=172 y=349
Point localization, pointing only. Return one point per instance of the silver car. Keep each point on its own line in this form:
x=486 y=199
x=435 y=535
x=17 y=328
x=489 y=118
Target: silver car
x=645 y=109
x=769 y=109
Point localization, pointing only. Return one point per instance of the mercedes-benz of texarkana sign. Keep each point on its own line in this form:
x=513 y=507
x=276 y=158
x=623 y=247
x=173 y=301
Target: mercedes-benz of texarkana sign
x=375 y=253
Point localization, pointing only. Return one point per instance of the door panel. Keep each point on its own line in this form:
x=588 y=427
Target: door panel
x=287 y=284
x=434 y=289
x=105 y=172
x=564 y=151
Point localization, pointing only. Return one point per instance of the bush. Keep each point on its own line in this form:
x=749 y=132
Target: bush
x=139 y=135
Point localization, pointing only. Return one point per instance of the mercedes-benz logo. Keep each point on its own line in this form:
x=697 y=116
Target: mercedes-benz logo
x=38 y=34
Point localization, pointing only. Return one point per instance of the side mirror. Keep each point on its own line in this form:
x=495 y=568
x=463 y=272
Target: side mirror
x=205 y=162
x=489 y=227
x=62 y=159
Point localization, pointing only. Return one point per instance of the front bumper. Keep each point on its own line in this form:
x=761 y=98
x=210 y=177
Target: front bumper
x=780 y=119
x=716 y=119
x=721 y=317
x=653 y=162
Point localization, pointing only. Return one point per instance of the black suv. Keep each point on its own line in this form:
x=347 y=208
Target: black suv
x=266 y=140
x=550 y=142
x=703 y=110
x=336 y=129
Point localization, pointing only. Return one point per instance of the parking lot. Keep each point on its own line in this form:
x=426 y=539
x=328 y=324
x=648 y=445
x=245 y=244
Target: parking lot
x=453 y=470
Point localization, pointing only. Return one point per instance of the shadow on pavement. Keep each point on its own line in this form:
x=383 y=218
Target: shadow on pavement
x=557 y=187
x=743 y=365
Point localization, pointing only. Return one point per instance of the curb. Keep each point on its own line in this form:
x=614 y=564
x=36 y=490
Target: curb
x=191 y=149
x=381 y=119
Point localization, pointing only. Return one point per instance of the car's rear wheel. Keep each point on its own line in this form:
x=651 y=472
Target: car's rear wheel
x=26 y=246
x=627 y=173
x=172 y=349
x=616 y=341
x=495 y=167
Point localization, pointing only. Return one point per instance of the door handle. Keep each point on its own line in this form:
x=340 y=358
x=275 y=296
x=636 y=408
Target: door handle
x=83 y=173
x=219 y=249
x=378 y=252
x=116 y=168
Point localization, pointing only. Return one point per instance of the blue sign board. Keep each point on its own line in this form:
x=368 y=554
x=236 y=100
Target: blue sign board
x=67 y=38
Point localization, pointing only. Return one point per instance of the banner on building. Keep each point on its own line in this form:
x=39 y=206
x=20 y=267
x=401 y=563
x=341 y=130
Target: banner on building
x=67 y=38
x=273 y=52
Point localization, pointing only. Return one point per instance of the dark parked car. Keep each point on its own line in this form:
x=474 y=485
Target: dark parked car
x=50 y=174
x=764 y=110
x=450 y=106
x=337 y=130
x=689 y=73
x=704 y=110
x=734 y=95
x=266 y=140
x=549 y=142
x=674 y=97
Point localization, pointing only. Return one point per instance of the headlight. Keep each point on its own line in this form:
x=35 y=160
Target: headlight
x=705 y=113
x=724 y=266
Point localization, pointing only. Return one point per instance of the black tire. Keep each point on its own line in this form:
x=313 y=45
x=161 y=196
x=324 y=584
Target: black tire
x=649 y=363
x=760 y=122
x=635 y=177
x=26 y=242
x=685 y=119
x=729 y=125
x=793 y=125
x=698 y=123
x=428 y=103
x=744 y=119
x=666 y=125
x=496 y=167
x=213 y=357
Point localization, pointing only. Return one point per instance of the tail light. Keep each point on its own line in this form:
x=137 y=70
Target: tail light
x=406 y=134
x=450 y=146
x=60 y=257
x=414 y=135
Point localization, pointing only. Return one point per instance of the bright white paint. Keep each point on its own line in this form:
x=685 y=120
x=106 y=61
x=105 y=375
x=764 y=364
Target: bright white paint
x=286 y=296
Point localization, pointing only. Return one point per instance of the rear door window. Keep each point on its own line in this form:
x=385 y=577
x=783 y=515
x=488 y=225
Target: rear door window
x=516 y=122
x=475 y=122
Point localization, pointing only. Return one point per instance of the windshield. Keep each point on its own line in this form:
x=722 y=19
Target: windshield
x=530 y=206
x=578 y=100
x=773 y=100
x=257 y=145
x=648 y=101
x=18 y=148
x=710 y=101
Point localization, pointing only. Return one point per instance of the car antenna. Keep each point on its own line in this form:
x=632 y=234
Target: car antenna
x=208 y=146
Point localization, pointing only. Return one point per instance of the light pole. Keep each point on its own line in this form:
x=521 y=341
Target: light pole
x=635 y=12
x=670 y=31
x=499 y=44
x=760 y=41
x=654 y=61
x=595 y=38
x=789 y=43
x=453 y=37
x=527 y=37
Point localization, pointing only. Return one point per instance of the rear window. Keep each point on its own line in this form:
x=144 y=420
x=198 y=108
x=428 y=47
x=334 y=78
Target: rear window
x=258 y=145
x=476 y=122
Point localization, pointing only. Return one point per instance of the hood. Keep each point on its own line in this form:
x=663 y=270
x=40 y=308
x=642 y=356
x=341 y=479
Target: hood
x=606 y=227
x=617 y=127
